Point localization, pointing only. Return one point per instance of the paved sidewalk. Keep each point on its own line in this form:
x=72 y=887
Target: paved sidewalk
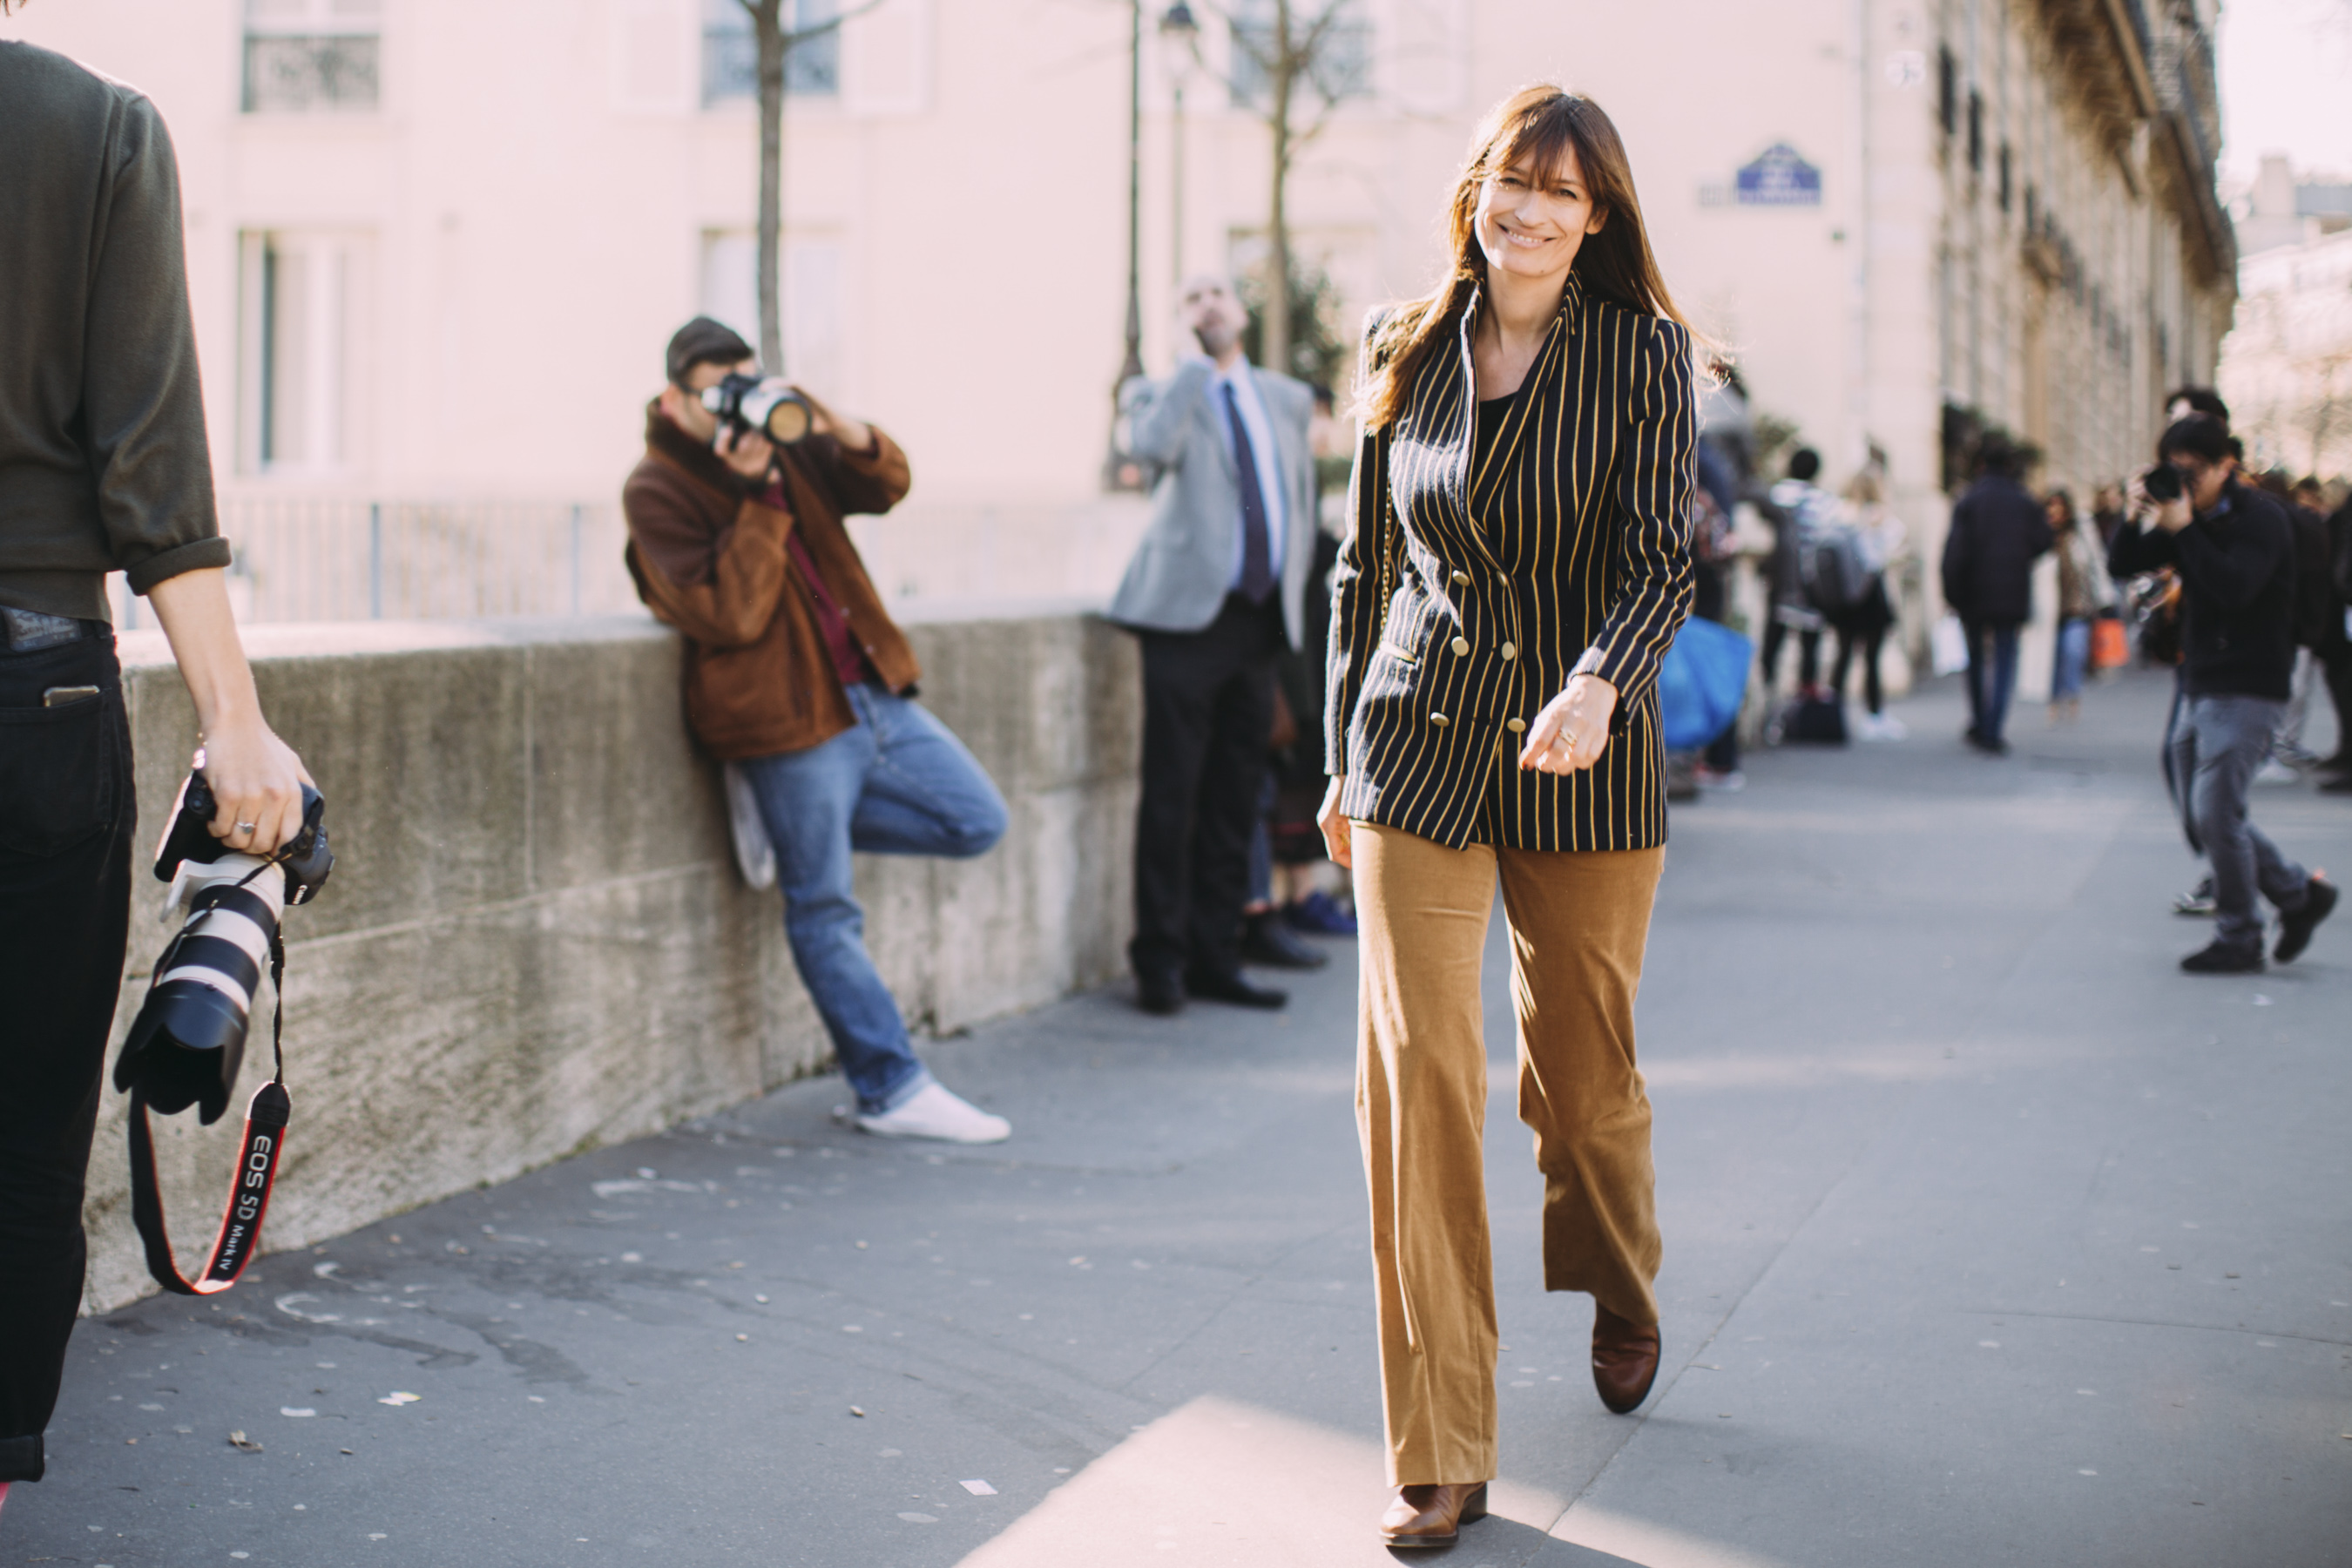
x=1991 y=1239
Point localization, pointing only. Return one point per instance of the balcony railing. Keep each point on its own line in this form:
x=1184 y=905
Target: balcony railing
x=297 y=74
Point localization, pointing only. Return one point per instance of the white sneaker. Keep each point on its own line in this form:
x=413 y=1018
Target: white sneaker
x=1882 y=727
x=933 y=1112
x=2275 y=771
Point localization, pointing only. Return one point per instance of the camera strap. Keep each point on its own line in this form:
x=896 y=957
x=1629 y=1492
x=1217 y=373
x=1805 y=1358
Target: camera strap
x=256 y=1165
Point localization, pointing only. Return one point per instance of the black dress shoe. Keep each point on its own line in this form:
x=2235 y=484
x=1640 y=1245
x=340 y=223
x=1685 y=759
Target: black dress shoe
x=2222 y=958
x=2295 y=929
x=1159 y=991
x=1268 y=940
x=1228 y=985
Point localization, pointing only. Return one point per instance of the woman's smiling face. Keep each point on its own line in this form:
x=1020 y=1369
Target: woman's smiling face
x=1531 y=225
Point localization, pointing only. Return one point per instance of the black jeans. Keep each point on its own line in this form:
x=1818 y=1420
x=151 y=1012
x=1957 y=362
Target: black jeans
x=2335 y=663
x=1808 y=654
x=1208 y=713
x=66 y=812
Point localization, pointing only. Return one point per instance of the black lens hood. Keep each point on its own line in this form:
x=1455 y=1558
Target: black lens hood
x=184 y=1049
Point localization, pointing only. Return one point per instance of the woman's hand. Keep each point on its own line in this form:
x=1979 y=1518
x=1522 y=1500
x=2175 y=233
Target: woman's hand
x=256 y=779
x=1334 y=823
x=1572 y=730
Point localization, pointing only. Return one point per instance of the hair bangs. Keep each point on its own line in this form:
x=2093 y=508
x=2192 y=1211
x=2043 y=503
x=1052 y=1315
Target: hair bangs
x=1544 y=143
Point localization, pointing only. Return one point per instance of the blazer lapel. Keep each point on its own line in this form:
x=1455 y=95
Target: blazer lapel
x=1462 y=440
x=1287 y=457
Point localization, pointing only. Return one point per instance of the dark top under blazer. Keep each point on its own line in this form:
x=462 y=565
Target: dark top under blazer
x=1467 y=600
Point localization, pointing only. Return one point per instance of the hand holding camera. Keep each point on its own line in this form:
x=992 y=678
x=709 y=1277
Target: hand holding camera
x=758 y=414
x=256 y=782
x=2157 y=495
x=187 y=1045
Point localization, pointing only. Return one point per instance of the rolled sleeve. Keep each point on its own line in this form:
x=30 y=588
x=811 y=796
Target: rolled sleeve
x=196 y=556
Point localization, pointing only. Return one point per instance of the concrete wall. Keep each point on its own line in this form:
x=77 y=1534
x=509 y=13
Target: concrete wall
x=535 y=941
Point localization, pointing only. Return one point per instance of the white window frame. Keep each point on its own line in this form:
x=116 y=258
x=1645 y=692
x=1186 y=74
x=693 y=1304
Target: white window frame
x=333 y=319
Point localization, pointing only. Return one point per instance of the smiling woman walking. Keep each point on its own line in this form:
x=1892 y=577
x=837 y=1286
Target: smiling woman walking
x=1519 y=563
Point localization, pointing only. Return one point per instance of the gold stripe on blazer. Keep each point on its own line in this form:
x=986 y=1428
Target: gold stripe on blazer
x=1465 y=602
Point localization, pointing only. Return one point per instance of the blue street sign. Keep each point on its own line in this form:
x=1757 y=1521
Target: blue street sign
x=1779 y=177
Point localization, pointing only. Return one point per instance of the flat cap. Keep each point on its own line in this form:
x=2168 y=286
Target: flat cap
x=705 y=342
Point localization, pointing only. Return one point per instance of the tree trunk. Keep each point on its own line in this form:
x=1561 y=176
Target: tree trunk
x=1274 y=338
x=768 y=28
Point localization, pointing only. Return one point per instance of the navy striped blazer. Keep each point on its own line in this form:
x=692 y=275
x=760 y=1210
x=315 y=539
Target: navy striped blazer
x=1463 y=602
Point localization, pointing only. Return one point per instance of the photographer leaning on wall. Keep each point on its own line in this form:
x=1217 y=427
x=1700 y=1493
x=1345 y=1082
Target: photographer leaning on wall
x=796 y=674
x=103 y=466
x=2235 y=555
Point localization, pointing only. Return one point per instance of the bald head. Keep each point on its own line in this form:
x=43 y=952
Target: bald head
x=1211 y=311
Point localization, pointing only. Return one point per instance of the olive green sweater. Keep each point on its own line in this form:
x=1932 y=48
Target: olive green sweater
x=104 y=465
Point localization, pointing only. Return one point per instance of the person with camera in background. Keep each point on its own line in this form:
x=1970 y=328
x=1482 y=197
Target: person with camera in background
x=1998 y=532
x=104 y=466
x=795 y=673
x=2235 y=555
x=1216 y=591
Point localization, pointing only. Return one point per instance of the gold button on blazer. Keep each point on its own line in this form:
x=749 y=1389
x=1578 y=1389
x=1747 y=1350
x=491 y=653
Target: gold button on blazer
x=1569 y=546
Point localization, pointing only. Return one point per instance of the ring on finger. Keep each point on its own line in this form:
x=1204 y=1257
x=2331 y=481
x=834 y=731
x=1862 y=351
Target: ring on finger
x=247 y=826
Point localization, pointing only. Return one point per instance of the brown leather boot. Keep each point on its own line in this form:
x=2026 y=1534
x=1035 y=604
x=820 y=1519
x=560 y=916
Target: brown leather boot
x=1624 y=1360
x=1432 y=1515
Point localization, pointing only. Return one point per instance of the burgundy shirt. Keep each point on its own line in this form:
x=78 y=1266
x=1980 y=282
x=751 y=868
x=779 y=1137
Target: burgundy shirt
x=832 y=621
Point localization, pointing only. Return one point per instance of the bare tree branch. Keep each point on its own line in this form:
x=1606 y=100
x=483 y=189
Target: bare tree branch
x=775 y=44
x=1292 y=46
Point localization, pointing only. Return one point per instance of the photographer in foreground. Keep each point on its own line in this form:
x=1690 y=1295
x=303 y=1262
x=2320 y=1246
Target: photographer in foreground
x=103 y=466
x=795 y=672
x=2235 y=555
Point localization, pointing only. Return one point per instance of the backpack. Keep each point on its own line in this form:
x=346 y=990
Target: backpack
x=1836 y=569
x=1833 y=566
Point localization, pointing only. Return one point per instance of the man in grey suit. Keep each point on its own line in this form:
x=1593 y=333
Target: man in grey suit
x=1215 y=592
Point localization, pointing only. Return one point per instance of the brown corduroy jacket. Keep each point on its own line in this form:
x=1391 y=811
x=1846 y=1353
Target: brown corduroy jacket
x=709 y=558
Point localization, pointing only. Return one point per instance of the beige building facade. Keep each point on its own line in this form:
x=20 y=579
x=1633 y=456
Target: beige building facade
x=2286 y=368
x=436 y=245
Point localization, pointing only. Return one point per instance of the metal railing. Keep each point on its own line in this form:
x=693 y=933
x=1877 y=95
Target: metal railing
x=332 y=559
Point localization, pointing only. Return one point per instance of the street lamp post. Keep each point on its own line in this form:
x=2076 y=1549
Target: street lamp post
x=1180 y=38
x=1121 y=473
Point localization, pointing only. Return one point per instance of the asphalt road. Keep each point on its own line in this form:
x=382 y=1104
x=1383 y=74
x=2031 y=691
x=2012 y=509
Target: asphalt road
x=1991 y=1239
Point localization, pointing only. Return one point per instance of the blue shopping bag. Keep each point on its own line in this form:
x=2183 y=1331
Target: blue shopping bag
x=1702 y=683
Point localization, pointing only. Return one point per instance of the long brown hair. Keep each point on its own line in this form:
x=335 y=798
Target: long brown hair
x=1540 y=125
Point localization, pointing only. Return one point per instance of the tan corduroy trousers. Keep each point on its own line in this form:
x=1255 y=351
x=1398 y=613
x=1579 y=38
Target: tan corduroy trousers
x=1579 y=923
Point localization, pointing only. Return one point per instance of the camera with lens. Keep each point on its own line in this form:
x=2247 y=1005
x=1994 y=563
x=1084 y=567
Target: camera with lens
x=768 y=404
x=2162 y=483
x=188 y=1041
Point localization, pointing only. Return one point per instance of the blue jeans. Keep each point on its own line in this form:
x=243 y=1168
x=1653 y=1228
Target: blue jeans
x=2229 y=738
x=896 y=783
x=2073 y=656
x=1992 y=675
